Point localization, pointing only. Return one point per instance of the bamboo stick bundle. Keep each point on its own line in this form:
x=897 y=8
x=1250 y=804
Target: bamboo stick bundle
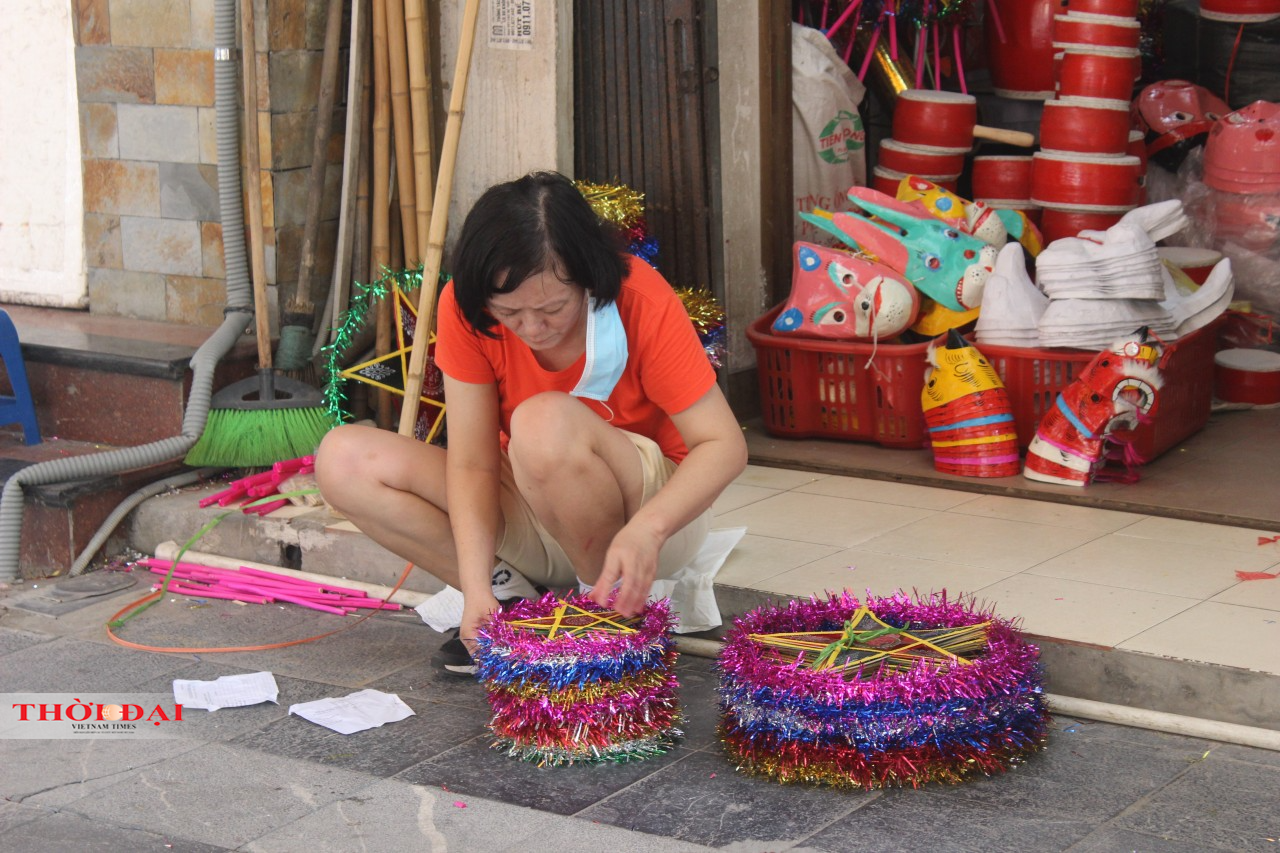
x=402 y=125
x=439 y=223
x=420 y=107
x=380 y=226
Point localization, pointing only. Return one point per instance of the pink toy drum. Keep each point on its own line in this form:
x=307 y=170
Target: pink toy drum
x=919 y=159
x=1099 y=183
x=887 y=180
x=1001 y=176
x=1056 y=223
x=1242 y=153
x=946 y=120
x=1019 y=38
x=1090 y=125
x=1123 y=8
x=1086 y=71
x=1100 y=30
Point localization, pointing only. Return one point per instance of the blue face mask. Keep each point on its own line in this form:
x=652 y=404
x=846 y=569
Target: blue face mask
x=606 y=352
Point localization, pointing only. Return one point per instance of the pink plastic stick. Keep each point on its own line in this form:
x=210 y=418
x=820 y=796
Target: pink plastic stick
x=844 y=16
x=258 y=573
x=955 y=40
x=937 y=59
x=871 y=49
x=995 y=16
x=215 y=593
x=922 y=40
x=263 y=509
x=893 y=32
x=370 y=603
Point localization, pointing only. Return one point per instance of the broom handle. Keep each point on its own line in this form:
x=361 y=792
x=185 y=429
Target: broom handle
x=253 y=184
x=439 y=224
x=402 y=125
x=380 y=227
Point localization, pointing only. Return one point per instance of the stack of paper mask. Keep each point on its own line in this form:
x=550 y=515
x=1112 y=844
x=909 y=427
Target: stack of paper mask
x=1099 y=286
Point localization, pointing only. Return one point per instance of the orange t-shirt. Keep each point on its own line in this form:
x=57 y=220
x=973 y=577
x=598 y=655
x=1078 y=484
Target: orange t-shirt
x=667 y=369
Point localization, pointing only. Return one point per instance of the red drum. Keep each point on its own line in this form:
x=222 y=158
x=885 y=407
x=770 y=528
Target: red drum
x=1100 y=30
x=1240 y=11
x=1056 y=223
x=945 y=120
x=1019 y=38
x=1087 y=71
x=1001 y=176
x=1123 y=8
x=1098 y=183
x=919 y=159
x=1090 y=125
x=887 y=180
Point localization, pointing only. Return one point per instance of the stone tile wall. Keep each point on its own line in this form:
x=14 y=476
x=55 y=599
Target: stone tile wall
x=153 y=234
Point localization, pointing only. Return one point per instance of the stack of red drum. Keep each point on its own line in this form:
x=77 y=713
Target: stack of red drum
x=1003 y=182
x=1087 y=174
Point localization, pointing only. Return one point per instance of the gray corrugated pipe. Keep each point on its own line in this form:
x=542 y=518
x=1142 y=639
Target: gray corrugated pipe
x=239 y=313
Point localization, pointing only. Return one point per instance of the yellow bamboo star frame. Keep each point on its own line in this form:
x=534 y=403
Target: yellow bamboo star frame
x=570 y=620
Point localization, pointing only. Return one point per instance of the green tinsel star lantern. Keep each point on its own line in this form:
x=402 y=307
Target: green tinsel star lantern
x=388 y=371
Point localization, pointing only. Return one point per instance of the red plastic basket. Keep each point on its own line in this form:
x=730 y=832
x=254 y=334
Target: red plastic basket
x=1035 y=376
x=824 y=389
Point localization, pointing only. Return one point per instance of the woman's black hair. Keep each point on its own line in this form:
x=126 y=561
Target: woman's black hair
x=534 y=224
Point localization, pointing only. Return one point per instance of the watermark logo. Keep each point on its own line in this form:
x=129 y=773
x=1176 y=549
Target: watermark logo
x=57 y=716
x=843 y=136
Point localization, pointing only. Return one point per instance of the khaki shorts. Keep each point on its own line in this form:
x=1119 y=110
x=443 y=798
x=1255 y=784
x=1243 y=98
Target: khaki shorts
x=528 y=546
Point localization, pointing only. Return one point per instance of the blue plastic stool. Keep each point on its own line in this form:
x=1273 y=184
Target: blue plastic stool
x=19 y=408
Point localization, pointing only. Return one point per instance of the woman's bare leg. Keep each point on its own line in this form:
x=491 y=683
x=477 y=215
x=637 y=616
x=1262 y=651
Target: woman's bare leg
x=392 y=488
x=581 y=476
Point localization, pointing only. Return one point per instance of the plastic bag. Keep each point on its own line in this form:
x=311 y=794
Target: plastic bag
x=828 y=138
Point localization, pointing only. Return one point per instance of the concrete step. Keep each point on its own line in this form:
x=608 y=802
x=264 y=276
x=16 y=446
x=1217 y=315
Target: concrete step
x=316 y=540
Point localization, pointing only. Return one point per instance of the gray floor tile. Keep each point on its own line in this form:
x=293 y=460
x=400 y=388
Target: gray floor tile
x=1110 y=840
x=1217 y=803
x=11 y=640
x=699 y=701
x=76 y=665
x=476 y=768
x=53 y=773
x=933 y=820
x=221 y=795
x=383 y=751
x=702 y=799
x=423 y=680
x=63 y=831
x=13 y=815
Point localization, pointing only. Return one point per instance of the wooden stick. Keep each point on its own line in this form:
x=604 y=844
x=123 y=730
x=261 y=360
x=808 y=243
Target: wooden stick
x=439 y=223
x=420 y=104
x=350 y=166
x=253 y=182
x=402 y=124
x=380 y=236
x=301 y=308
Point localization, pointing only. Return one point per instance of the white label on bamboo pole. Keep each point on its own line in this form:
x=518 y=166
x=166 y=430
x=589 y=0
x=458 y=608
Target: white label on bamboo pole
x=511 y=24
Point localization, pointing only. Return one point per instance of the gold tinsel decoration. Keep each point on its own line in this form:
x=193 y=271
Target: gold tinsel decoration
x=707 y=314
x=618 y=204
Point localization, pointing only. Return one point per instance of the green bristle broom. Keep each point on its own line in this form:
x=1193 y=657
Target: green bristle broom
x=261 y=420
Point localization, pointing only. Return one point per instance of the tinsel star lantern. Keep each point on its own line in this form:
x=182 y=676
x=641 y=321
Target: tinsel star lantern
x=890 y=692
x=570 y=682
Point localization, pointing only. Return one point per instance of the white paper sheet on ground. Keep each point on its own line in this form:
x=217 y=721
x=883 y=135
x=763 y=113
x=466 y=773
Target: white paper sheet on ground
x=355 y=712
x=229 y=691
x=692 y=589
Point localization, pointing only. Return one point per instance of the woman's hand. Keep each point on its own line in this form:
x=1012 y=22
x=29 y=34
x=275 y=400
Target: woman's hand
x=476 y=610
x=632 y=558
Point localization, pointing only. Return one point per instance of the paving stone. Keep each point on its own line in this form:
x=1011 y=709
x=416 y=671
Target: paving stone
x=184 y=77
x=702 y=799
x=109 y=74
x=68 y=664
x=11 y=640
x=931 y=819
x=1108 y=840
x=201 y=785
x=189 y=191
x=150 y=23
x=63 y=831
x=158 y=132
x=383 y=751
x=98 y=137
x=476 y=768
x=102 y=241
x=93 y=21
x=14 y=815
x=140 y=295
x=424 y=682
x=1217 y=802
x=53 y=773
x=114 y=186
x=160 y=245
x=699 y=701
x=213 y=261
x=194 y=301
x=295 y=80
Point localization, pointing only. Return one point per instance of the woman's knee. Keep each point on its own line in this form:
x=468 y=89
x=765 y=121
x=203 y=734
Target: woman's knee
x=542 y=431
x=340 y=457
